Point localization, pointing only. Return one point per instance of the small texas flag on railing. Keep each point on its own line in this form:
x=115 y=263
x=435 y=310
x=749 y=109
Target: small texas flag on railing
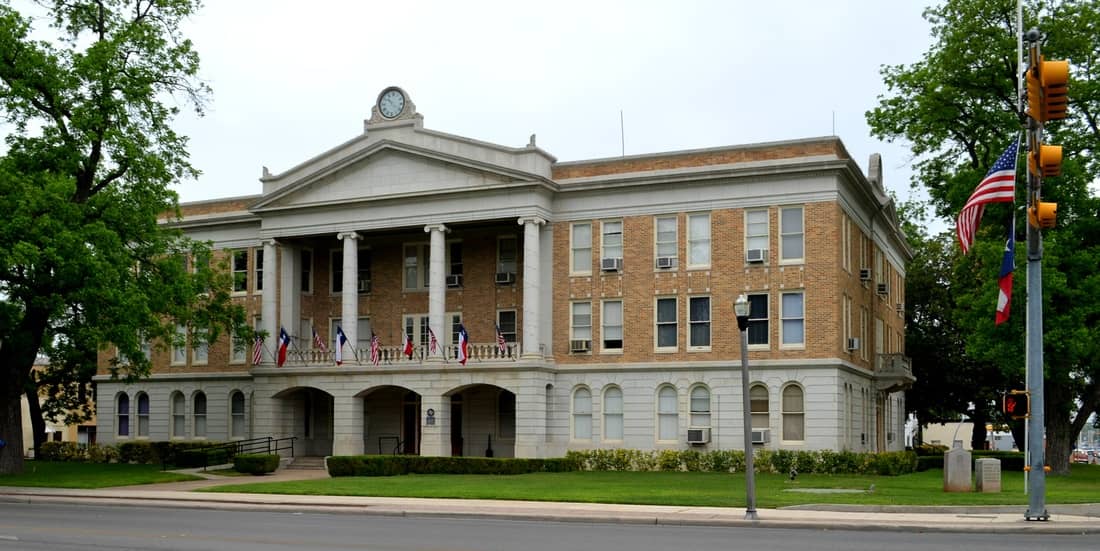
x=341 y=338
x=463 y=344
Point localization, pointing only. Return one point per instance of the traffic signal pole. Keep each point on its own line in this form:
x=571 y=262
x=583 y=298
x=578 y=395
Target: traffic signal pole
x=1037 y=483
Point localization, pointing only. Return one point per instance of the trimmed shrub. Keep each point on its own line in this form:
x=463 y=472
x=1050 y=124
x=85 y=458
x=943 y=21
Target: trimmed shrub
x=392 y=465
x=137 y=452
x=61 y=451
x=101 y=454
x=256 y=463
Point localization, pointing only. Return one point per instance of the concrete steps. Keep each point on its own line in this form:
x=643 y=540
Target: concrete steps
x=310 y=463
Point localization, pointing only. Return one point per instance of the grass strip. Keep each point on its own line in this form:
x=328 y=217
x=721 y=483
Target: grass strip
x=49 y=474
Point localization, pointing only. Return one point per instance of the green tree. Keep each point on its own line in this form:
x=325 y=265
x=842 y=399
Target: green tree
x=87 y=263
x=957 y=109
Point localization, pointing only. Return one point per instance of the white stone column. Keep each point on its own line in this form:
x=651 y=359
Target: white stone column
x=532 y=312
x=349 y=295
x=531 y=411
x=347 y=425
x=290 y=295
x=437 y=290
x=269 y=301
x=435 y=439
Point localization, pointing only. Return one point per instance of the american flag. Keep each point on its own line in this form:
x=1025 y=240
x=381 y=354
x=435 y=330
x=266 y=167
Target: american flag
x=501 y=344
x=320 y=344
x=999 y=186
x=258 y=351
x=375 y=349
x=433 y=344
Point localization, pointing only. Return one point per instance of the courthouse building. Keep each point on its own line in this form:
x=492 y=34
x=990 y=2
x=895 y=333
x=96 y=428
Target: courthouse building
x=611 y=283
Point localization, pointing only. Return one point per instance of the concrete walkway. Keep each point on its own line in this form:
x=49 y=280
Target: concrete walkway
x=1065 y=519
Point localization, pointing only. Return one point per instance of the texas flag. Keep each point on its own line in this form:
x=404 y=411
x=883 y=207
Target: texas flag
x=463 y=344
x=408 y=345
x=1008 y=264
x=341 y=338
x=284 y=343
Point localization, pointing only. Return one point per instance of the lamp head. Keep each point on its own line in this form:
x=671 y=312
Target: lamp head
x=741 y=307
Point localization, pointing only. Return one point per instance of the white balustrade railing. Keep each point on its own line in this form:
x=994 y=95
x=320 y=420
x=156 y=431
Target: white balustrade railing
x=395 y=355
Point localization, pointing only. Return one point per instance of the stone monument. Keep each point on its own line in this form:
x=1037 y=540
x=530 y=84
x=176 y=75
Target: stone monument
x=956 y=469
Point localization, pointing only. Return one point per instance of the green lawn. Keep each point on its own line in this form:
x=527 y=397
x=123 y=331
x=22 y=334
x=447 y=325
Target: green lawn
x=48 y=474
x=701 y=489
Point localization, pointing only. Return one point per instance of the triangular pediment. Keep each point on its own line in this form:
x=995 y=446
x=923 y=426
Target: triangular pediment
x=389 y=171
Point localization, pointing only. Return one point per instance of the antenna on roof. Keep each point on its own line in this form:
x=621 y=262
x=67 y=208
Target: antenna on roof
x=834 y=122
x=622 y=133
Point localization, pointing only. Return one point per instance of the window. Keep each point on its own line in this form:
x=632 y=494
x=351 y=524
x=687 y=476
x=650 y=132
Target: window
x=700 y=406
x=236 y=415
x=200 y=349
x=793 y=322
x=506 y=321
x=122 y=413
x=506 y=415
x=581 y=323
x=846 y=322
x=666 y=239
x=582 y=414
x=666 y=324
x=793 y=414
x=240 y=271
x=613 y=413
x=417 y=259
x=612 y=325
x=845 y=243
x=143 y=415
x=362 y=340
x=258 y=268
x=698 y=240
x=699 y=320
x=179 y=419
x=611 y=243
x=863 y=333
x=581 y=249
x=790 y=234
x=454 y=263
x=756 y=229
x=364 y=274
x=758 y=406
x=758 y=320
x=306 y=257
x=238 y=349
x=199 y=413
x=179 y=348
x=668 y=419
x=507 y=254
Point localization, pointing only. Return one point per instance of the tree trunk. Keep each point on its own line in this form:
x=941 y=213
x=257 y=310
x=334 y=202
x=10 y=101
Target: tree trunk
x=38 y=423
x=1059 y=447
x=978 y=435
x=11 y=430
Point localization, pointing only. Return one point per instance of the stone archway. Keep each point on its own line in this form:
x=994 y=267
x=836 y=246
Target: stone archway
x=483 y=421
x=306 y=413
x=392 y=420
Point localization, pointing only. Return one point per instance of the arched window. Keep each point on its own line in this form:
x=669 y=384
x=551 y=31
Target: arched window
x=199 y=413
x=613 y=413
x=236 y=414
x=143 y=414
x=758 y=405
x=582 y=414
x=668 y=419
x=179 y=425
x=122 y=412
x=794 y=418
x=700 y=406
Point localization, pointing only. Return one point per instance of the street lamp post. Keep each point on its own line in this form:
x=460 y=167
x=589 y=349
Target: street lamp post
x=741 y=310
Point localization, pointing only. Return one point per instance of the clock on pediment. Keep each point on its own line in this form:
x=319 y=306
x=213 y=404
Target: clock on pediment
x=392 y=104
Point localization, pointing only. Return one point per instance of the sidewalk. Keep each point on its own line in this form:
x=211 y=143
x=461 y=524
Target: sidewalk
x=1065 y=519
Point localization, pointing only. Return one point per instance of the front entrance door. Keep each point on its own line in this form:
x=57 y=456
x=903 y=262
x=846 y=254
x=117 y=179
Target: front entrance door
x=456 y=426
x=410 y=431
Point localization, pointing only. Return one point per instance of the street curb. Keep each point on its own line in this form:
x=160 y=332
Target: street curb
x=436 y=509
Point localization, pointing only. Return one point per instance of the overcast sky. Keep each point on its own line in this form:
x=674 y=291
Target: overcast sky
x=292 y=78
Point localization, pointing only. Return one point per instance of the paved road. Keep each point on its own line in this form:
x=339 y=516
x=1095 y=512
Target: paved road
x=35 y=527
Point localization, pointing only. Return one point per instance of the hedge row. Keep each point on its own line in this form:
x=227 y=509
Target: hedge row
x=390 y=465
x=729 y=461
x=255 y=463
x=181 y=454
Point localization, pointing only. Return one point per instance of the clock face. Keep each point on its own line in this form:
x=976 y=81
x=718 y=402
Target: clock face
x=391 y=103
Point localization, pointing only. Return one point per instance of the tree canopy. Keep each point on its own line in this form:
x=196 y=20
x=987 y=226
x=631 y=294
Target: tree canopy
x=957 y=109
x=87 y=263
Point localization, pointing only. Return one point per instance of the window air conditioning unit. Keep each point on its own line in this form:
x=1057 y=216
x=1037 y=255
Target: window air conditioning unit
x=698 y=435
x=761 y=436
x=901 y=308
x=756 y=255
x=364 y=285
x=505 y=278
x=853 y=344
x=665 y=262
x=865 y=274
x=883 y=289
x=611 y=264
x=454 y=280
x=580 y=346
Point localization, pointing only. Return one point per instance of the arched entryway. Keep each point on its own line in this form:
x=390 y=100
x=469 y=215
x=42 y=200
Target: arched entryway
x=307 y=414
x=391 y=420
x=483 y=421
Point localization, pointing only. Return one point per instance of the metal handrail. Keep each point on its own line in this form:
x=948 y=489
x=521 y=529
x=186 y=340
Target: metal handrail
x=227 y=450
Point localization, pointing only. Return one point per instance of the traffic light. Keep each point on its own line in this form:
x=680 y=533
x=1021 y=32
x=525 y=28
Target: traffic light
x=1046 y=161
x=1047 y=89
x=1017 y=404
x=1043 y=215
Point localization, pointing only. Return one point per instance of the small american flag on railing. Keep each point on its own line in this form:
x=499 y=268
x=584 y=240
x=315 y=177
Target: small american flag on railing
x=258 y=351
x=320 y=344
x=501 y=344
x=375 y=349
